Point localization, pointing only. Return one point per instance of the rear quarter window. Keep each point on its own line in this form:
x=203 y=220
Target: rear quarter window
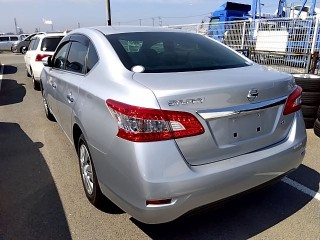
x=92 y=58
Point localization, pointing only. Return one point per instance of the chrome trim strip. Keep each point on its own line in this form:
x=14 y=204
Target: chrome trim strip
x=250 y=108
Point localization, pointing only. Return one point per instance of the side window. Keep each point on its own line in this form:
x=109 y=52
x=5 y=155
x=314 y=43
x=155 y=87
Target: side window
x=35 y=44
x=60 y=58
x=14 y=39
x=76 y=57
x=4 y=39
x=92 y=57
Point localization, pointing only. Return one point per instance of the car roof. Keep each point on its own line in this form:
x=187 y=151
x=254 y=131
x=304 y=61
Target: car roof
x=45 y=35
x=108 y=30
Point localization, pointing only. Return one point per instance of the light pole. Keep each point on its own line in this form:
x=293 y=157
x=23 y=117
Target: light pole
x=108 y=13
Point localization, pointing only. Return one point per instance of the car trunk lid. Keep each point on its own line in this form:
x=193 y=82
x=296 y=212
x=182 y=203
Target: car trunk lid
x=240 y=108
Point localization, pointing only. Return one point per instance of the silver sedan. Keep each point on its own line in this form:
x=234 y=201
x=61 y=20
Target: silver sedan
x=165 y=121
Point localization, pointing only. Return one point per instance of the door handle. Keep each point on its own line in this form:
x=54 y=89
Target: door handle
x=54 y=85
x=70 y=98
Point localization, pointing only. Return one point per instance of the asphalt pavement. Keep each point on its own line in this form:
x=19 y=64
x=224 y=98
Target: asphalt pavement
x=41 y=195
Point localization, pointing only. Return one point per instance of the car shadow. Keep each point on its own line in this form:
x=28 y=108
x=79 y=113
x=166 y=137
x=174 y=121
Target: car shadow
x=241 y=218
x=30 y=206
x=8 y=69
x=11 y=92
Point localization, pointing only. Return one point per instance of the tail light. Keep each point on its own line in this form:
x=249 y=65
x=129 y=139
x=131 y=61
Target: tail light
x=39 y=57
x=139 y=124
x=293 y=102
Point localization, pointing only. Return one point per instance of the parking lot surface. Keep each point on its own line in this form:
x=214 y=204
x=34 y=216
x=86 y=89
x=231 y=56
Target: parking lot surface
x=41 y=195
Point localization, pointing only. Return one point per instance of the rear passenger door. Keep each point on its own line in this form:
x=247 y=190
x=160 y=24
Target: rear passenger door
x=30 y=56
x=68 y=83
x=54 y=74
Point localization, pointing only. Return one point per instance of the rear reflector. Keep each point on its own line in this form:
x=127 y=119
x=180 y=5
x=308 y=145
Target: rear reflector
x=139 y=124
x=39 y=57
x=158 y=202
x=293 y=103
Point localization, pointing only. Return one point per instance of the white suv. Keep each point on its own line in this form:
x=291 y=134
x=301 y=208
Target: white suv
x=41 y=46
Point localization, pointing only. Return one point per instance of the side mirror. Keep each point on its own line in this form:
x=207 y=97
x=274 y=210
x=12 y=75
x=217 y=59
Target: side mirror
x=47 y=61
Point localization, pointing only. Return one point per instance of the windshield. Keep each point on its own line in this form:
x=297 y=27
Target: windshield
x=173 y=52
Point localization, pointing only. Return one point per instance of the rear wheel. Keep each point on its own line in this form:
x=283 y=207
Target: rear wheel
x=47 y=111
x=88 y=174
x=23 y=50
x=36 y=85
x=28 y=74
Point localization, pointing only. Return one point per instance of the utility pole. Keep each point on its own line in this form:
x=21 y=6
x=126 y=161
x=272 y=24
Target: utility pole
x=153 y=21
x=160 y=21
x=108 y=13
x=16 y=25
x=140 y=21
x=78 y=25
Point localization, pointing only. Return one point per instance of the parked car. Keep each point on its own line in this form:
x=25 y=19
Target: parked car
x=22 y=46
x=6 y=41
x=165 y=121
x=41 y=46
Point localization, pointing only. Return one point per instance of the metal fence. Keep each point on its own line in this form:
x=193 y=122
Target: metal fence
x=289 y=45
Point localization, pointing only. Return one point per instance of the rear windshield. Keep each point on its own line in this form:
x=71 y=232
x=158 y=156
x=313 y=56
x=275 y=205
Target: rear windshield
x=50 y=44
x=173 y=52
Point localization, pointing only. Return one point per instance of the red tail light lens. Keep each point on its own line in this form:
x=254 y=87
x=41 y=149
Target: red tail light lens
x=39 y=57
x=139 y=124
x=293 y=102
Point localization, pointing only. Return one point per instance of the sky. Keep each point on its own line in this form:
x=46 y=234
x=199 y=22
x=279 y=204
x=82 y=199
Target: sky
x=69 y=14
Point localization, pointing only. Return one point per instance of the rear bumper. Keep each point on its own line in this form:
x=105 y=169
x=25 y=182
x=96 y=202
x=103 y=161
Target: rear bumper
x=37 y=69
x=165 y=175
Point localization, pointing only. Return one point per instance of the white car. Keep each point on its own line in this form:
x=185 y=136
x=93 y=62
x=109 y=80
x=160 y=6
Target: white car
x=41 y=46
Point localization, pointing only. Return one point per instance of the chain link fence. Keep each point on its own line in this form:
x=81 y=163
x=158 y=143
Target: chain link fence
x=289 y=45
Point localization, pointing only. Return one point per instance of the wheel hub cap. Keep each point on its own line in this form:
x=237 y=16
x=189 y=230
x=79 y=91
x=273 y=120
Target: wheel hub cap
x=86 y=169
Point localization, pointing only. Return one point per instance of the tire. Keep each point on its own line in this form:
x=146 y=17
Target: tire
x=308 y=82
x=316 y=128
x=318 y=113
x=47 y=111
x=36 y=85
x=309 y=122
x=309 y=111
x=28 y=74
x=23 y=51
x=310 y=98
x=88 y=174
